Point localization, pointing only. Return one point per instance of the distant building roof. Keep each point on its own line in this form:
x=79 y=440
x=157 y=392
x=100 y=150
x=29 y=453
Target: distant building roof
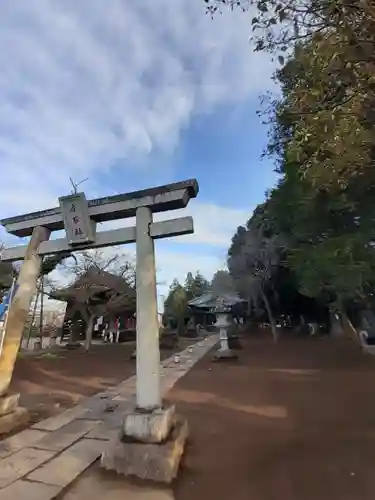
x=209 y=300
x=101 y=288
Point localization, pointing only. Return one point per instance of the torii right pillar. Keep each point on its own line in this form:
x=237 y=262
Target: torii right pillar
x=153 y=436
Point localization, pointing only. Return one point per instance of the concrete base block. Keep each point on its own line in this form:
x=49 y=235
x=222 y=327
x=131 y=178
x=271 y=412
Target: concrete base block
x=224 y=355
x=148 y=427
x=37 y=345
x=52 y=341
x=155 y=462
x=14 y=420
x=234 y=343
x=8 y=403
x=73 y=345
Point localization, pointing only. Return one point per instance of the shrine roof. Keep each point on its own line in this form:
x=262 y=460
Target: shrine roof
x=209 y=300
x=97 y=285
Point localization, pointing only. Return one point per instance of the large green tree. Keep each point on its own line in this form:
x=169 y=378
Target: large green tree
x=176 y=305
x=222 y=283
x=327 y=158
x=254 y=257
x=322 y=139
x=195 y=286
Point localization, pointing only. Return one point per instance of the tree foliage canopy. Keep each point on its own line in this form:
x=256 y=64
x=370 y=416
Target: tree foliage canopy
x=321 y=215
x=176 y=303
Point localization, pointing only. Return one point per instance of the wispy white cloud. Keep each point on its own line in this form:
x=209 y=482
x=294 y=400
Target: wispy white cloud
x=85 y=83
x=213 y=224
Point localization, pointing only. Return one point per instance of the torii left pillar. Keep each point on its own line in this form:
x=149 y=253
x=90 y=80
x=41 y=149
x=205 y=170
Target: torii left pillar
x=12 y=415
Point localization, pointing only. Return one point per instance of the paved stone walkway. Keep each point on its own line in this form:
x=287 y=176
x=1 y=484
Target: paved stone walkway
x=42 y=461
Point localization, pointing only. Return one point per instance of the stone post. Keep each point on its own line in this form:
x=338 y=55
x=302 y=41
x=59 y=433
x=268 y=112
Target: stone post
x=153 y=436
x=224 y=346
x=10 y=414
x=148 y=352
x=53 y=340
x=89 y=330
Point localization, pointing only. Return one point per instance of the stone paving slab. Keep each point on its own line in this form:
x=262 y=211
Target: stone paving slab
x=66 y=467
x=104 y=432
x=97 y=409
x=54 y=423
x=27 y=490
x=65 y=436
x=94 y=485
x=100 y=401
x=19 y=441
x=112 y=422
x=21 y=463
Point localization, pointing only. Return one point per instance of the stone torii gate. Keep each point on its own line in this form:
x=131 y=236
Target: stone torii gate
x=149 y=422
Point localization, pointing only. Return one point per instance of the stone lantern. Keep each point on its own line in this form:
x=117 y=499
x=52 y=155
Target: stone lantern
x=223 y=321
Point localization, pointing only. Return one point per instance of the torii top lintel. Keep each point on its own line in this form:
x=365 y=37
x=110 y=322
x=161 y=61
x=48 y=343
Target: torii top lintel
x=159 y=199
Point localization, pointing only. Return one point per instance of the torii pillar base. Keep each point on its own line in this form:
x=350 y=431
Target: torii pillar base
x=225 y=355
x=12 y=416
x=150 y=447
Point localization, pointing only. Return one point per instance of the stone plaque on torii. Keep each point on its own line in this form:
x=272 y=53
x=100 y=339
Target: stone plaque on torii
x=149 y=423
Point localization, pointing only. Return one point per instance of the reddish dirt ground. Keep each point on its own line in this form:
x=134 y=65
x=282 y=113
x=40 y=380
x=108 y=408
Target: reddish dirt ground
x=50 y=383
x=295 y=421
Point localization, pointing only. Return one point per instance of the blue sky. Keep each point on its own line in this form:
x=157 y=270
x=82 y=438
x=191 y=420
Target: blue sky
x=131 y=95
